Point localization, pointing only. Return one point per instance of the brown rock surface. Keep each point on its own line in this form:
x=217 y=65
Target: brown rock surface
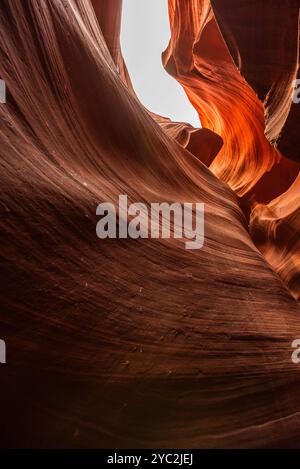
x=123 y=343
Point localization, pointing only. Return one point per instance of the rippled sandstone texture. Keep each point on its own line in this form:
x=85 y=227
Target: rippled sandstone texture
x=141 y=343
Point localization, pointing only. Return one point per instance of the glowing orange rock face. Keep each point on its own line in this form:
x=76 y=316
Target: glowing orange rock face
x=215 y=49
x=140 y=344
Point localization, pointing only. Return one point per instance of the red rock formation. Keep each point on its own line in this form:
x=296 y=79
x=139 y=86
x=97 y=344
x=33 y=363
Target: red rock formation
x=134 y=343
x=211 y=53
x=267 y=55
x=275 y=228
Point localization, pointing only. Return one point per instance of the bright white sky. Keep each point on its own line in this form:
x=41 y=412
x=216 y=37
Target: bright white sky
x=144 y=36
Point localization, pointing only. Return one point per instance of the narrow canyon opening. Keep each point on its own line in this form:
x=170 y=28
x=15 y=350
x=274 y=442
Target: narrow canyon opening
x=145 y=33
